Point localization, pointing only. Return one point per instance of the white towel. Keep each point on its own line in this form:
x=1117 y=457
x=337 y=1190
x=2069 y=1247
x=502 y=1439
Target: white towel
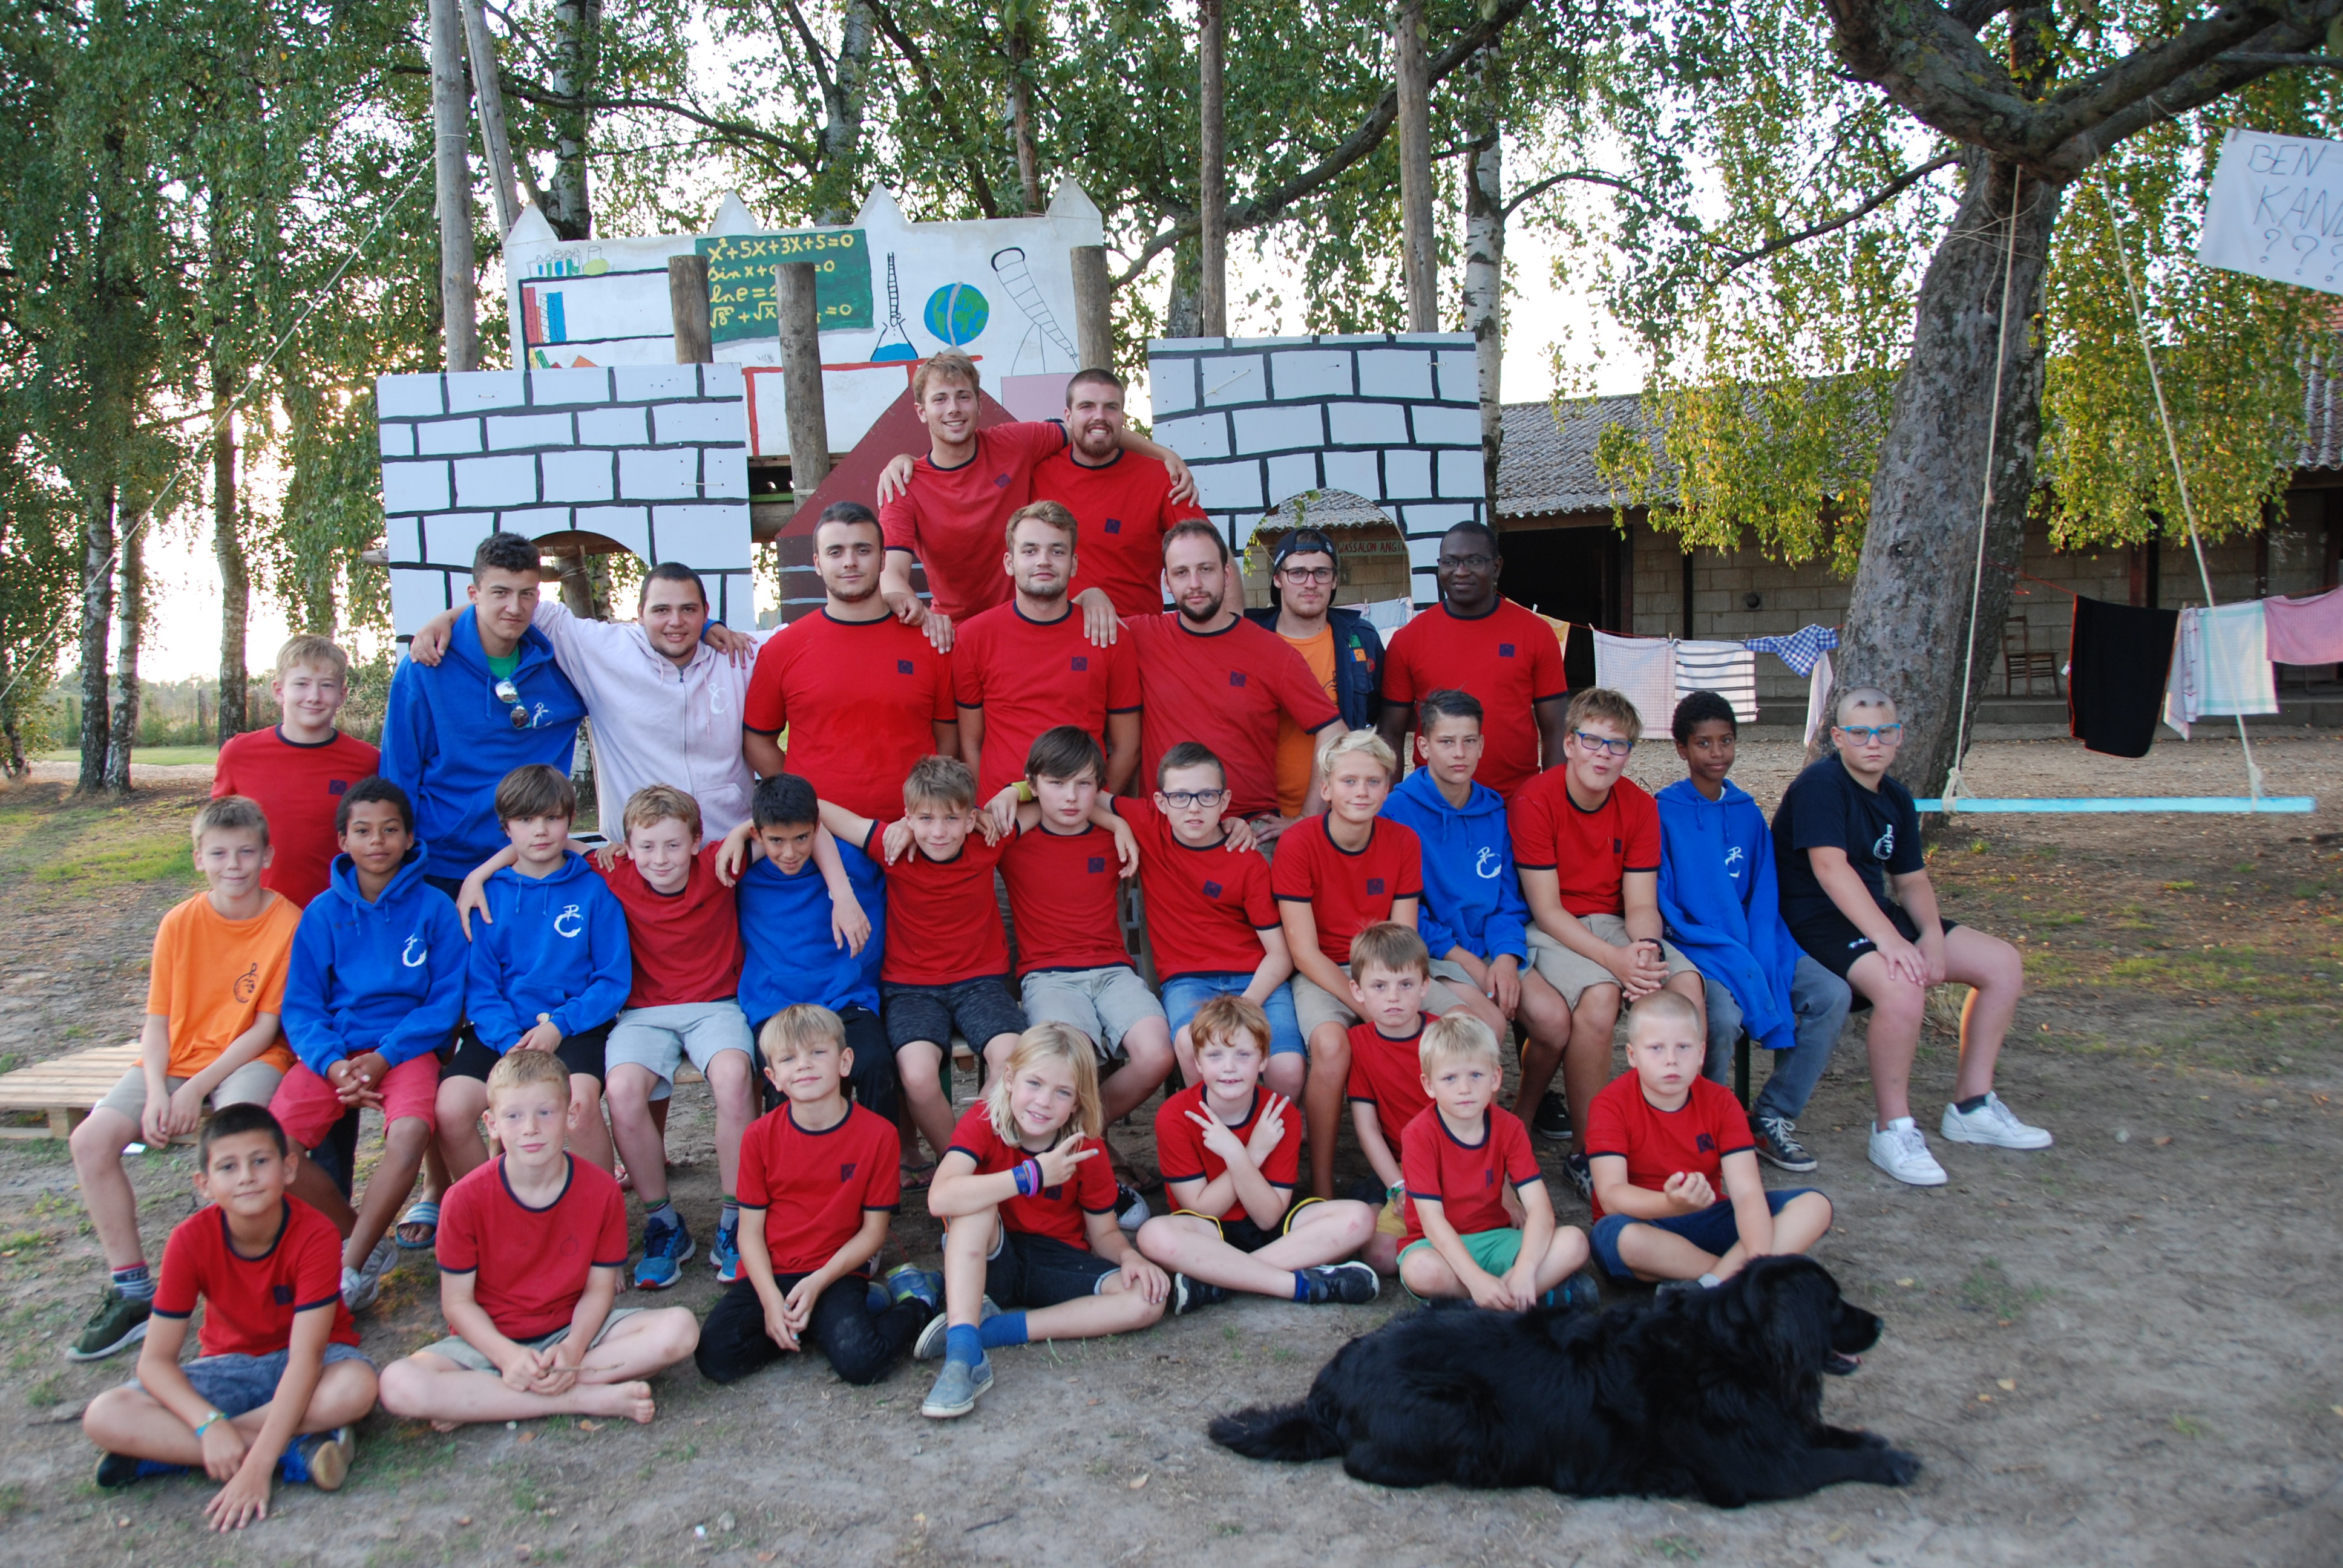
x=1643 y=669
x=1727 y=669
x=1818 y=690
x=2220 y=666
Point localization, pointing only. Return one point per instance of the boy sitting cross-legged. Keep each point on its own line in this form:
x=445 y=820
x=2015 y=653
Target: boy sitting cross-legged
x=374 y=990
x=549 y=970
x=279 y=1377
x=1028 y=1203
x=213 y=996
x=1232 y=1151
x=531 y=1249
x=818 y=1181
x=1459 y=1158
x=1677 y=1192
x=1390 y=969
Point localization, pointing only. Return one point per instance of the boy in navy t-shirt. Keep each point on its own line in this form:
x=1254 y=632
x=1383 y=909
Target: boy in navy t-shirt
x=1845 y=831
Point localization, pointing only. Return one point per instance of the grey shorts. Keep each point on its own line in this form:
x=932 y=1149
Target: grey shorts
x=237 y=1385
x=1570 y=973
x=659 y=1038
x=1315 y=1005
x=457 y=1349
x=1104 y=1003
x=254 y=1083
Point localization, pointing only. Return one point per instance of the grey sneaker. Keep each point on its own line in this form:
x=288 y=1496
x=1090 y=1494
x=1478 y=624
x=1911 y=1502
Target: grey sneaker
x=1581 y=1176
x=119 y=1322
x=958 y=1388
x=1778 y=1145
x=1992 y=1123
x=361 y=1288
x=931 y=1343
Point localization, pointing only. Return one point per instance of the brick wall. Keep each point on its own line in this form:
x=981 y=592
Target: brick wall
x=653 y=458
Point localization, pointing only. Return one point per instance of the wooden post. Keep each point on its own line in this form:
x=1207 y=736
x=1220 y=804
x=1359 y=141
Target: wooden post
x=450 y=120
x=488 y=95
x=800 y=324
x=687 y=303
x=1093 y=308
x=1212 y=179
x=1414 y=85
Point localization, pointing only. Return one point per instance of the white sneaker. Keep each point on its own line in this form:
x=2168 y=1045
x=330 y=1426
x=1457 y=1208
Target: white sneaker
x=1992 y=1123
x=361 y=1288
x=1901 y=1150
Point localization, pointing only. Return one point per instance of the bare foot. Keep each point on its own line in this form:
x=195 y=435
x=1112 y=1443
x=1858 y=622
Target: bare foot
x=626 y=1180
x=445 y=1426
x=630 y=1399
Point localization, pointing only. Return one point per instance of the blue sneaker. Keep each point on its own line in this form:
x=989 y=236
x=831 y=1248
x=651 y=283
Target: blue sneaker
x=908 y=1281
x=726 y=1253
x=666 y=1248
x=958 y=1388
x=321 y=1460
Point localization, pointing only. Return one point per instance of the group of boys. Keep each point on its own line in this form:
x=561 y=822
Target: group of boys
x=1371 y=941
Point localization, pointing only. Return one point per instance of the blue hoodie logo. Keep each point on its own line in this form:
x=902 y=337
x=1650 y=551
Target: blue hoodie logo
x=1487 y=864
x=416 y=953
x=569 y=922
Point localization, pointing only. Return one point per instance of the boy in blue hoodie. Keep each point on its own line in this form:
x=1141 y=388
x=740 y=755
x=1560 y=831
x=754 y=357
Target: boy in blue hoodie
x=494 y=702
x=790 y=956
x=374 y=989
x=1717 y=895
x=1472 y=916
x=550 y=969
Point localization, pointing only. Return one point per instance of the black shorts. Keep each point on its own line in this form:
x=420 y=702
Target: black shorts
x=981 y=1008
x=1246 y=1236
x=1834 y=942
x=872 y=1080
x=1032 y=1270
x=581 y=1053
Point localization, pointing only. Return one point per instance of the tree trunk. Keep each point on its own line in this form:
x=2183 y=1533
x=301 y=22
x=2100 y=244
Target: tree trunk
x=1021 y=118
x=97 y=625
x=577 y=33
x=1211 y=264
x=1908 y=618
x=1484 y=260
x=488 y=95
x=451 y=139
x=1184 y=304
x=1413 y=77
x=121 y=729
x=842 y=130
x=576 y=587
x=235 y=579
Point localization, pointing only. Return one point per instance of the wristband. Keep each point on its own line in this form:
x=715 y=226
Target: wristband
x=205 y=1425
x=1025 y=791
x=1027 y=1175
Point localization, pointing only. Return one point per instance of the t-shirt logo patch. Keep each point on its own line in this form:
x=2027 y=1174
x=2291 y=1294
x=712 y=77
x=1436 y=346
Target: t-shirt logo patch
x=1883 y=849
x=1114 y=525
x=902 y=667
x=1097 y=864
x=1236 y=677
x=1080 y=661
x=846 y=1172
x=568 y=1246
x=248 y=982
x=337 y=787
x=1705 y=1143
x=1374 y=884
x=1505 y=650
x=1212 y=890
x=1054 y=1194
x=281 y=1294
x=1000 y=481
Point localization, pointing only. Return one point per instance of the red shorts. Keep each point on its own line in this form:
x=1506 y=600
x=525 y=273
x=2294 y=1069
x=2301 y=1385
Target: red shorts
x=307 y=1107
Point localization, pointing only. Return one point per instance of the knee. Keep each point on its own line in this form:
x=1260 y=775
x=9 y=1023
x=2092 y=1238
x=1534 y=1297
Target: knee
x=402 y=1385
x=916 y=1070
x=1815 y=1209
x=2004 y=968
x=1570 y=1250
x=678 y=1334
x=1596 y=1014
x=91 y=1146
x=1421 y=1271
x=1329 y=1048
x=860 y=1367
x=1357 y=1226
x=1139 y=1312
x=407 y=1136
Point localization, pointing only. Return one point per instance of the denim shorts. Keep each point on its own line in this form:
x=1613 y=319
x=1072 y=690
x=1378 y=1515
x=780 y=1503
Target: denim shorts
x=1028 y=1270
x=1184 y=994
x=237 y=1385
x=1712 y=1230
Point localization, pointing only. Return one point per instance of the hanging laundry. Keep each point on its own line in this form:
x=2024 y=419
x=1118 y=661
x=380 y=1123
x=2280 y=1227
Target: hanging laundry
x=2119 y=664
x=2307 y=630
x=1643 y=670
x=2220 y=666
x=1727 y=669
x=1800 y=648
x=1818 y=691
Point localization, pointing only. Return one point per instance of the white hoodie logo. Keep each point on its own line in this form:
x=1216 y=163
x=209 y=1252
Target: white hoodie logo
x=568 y=923
x=1733 y=861
x=416 y=953
x=1487 y=865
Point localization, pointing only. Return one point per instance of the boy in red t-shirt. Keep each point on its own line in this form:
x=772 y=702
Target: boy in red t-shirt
x=1028 y=1203
x=1459 y=1160
x=279 y=1377
x=1230 y=1151
x=1587 y=840
x=531 y=1247
x=300 y=770
x=1390 y=970
x=1664 y=1142
x=1335 y=875
x=819 y=1182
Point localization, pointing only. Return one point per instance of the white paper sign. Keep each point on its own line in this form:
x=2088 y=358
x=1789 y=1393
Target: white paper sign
x=2276 y=210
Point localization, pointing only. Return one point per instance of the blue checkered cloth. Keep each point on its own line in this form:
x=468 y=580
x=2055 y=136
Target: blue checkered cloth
x=1800 y=648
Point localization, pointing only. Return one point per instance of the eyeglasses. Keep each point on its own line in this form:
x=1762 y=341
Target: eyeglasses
x=1302 y=542
x=1472 y=563
x=1864 y=734
x=509 y=694
x=1180 y=799
x=1604 y=744
x=1307 y=574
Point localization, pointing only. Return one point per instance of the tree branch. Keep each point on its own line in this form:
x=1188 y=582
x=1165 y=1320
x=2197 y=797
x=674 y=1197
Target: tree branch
x=1528 y=194
x=531 y=93
x=1736 y=259
x=918 y=60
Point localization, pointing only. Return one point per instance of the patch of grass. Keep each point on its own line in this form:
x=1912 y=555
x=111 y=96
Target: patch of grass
x=2187 y=1426
x=161 y=856
x=12 y=1500
x=50 y=1390
x=152 y=756
x=1992 y=1292
x=526 y=1497
x=1673 y=1548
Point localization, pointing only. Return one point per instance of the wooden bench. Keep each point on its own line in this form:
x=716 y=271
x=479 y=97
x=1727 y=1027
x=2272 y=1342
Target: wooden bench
x=64 y=1087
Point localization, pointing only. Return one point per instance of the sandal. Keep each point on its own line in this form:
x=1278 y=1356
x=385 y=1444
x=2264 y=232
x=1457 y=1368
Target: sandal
x=919 y=1176
x=425 y=1216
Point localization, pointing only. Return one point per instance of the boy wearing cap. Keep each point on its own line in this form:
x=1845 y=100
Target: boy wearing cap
x=1341 y=647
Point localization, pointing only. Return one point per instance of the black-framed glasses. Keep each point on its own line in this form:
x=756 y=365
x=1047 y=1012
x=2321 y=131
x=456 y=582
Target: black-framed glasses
x=1475 y=562
x=1307 y=574
x=1180 y=799
x=509 y=694
x=1864 y=734
x=1603 y=743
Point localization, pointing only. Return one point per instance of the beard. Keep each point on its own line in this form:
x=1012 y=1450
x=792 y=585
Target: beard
x=1211 y=610
x=870 y=590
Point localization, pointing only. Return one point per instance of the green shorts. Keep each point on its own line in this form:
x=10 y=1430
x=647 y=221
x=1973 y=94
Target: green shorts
x=457 y=1349
x=1495 y=1251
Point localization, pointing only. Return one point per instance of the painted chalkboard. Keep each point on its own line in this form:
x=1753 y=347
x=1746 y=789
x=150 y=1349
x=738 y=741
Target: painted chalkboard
x=741 y=280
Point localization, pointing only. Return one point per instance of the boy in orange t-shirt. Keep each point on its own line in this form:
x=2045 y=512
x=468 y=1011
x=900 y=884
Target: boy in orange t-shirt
x=213 y=994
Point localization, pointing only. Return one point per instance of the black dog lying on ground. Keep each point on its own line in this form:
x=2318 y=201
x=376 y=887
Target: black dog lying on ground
x=1712 y=1393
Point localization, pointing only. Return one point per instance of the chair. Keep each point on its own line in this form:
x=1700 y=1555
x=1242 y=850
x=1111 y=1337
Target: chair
x=2021 y=659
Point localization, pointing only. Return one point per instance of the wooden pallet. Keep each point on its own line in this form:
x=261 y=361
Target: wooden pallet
x=64 y=1088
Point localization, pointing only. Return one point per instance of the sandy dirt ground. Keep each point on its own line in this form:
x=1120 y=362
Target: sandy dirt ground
x=2121 y=1350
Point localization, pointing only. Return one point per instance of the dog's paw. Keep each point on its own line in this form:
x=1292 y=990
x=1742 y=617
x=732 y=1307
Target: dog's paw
x=1902 y=1469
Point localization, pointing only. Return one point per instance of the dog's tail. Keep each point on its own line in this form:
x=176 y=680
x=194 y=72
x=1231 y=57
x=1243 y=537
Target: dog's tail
x=1284 y=1432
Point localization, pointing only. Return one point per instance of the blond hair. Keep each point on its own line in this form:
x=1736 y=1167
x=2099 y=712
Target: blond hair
x=1611 y=706
x=948 y=366
x=1047 y=1042
x=1049 y=513
x=804 y=1023
x=1456 y=1036
x=1662 y=1007
x=526 y=1070
x=1365 y=740
x=310 y=649
x=941 y=781
x=1391 y=947
x=229 y=814
x=657 y=803
x=1222 y=1019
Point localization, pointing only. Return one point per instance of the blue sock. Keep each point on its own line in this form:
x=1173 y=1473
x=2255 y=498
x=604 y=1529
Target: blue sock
x=148 y=1468
x=135 y=1282
x=963 y=1344
x=1301 y=1285
x=1008 y=1329
x=661 y=1213
x=730 y=1215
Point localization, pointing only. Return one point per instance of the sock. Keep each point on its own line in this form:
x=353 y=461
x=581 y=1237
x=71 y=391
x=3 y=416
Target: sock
x=1972 y=1102
x=1008 y=1329
x=661 y=1213
x=153 y=1467
x=962 y=1343
x=1709 y=1281
x=730 y=1215
x=135 y=1282
x=1301 y=1284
